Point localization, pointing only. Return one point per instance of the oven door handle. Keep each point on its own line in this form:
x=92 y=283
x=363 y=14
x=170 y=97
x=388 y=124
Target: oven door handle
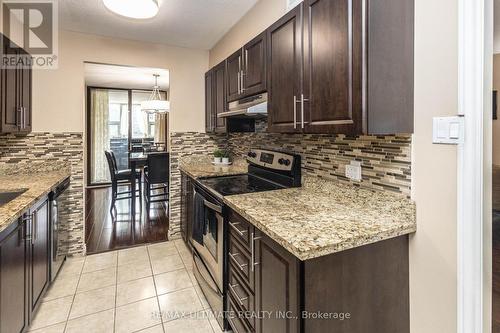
x=212 y=206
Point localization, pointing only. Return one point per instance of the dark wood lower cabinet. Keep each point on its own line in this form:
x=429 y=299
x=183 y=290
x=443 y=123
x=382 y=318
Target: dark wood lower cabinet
x=13 y=280
x=24 y=268
x=365 y=289
x=39 y=252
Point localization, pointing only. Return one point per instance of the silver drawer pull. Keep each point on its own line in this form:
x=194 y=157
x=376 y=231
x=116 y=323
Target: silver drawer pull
x=240 y=232
x=240 y=300
x=233 y=257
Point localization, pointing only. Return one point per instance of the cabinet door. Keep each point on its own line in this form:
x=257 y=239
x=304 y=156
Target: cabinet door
x=332 y=66
x=39 y=252
x=13 y=282
x=183 y=224
x=254 y=73
x=25 y=84
x=209 y=106
x=277 y=287
x=219 y=95
x=284 y=58
x=10 y=95
x=233 y=76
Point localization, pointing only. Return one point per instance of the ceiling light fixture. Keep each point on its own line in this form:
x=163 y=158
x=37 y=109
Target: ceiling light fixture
x=156 y=104
x=137 y=9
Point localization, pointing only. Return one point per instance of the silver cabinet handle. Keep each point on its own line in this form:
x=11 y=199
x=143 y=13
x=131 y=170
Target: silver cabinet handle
x=240 y=300
x=24 y=117
x=233 y=258
x=246 y=60
x=253 y=250
x=19 y=118
x=295 y=111
x=242 y=82
x=302 y=100
x=240 y=232
x=239 y=82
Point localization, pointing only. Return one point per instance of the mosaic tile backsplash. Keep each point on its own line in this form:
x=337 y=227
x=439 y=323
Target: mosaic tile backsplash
x=386 y=160
x=44 y=148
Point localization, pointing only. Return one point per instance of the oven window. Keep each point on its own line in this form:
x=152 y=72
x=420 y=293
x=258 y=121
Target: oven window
x=210 y=237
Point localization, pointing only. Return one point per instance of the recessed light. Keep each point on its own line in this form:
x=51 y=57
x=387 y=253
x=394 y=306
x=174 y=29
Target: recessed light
x=137 y=9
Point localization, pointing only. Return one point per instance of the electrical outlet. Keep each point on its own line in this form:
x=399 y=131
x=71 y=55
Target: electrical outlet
x=353 y=171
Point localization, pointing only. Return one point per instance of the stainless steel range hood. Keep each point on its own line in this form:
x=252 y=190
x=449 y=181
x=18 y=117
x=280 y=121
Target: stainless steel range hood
x=253 y=106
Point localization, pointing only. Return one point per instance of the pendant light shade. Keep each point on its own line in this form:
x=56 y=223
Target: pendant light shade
x=137 y=9
x=156 y=104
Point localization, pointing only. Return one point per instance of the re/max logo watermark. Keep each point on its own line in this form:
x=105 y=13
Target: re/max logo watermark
x=32 y=31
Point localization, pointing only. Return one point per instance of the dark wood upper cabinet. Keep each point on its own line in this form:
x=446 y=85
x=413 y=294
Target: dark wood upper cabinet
x=284 y=58
x=233 y=75
x=334 y=70
x=16 y=94
x=254 y=66
x=39 y=252
x=332 y=67
x=219 y=95
x=13 y=280
x=209 y=106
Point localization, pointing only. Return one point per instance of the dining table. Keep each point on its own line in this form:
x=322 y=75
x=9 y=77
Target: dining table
x=135 y=160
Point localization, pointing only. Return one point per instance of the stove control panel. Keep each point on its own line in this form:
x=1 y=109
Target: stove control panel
x=271 y=159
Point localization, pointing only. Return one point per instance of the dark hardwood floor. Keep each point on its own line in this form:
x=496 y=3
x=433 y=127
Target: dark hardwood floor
x=103 y=233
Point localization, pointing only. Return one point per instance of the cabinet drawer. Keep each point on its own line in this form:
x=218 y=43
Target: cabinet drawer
x=236 y=319
x=241 y=294
x=241 y=230
x=240 y=260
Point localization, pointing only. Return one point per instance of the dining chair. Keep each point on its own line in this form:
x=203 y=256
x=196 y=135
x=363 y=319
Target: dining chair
x=156 y=178
x=121 y=178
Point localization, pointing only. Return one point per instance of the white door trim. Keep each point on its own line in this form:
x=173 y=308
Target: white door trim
x=471 y=85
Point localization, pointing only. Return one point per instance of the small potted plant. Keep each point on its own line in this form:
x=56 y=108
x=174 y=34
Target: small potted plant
x=218 y=154
x=225 y=157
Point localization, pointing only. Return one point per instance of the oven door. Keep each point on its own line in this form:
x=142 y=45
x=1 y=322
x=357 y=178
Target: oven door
x=211 y=252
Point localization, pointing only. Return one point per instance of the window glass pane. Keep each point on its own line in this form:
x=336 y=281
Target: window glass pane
x=114 y=112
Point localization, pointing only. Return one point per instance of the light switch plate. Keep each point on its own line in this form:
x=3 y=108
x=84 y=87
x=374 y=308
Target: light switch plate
x=353 y=171
x=448 y=130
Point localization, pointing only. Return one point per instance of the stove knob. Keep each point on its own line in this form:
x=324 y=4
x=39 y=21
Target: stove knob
x=281 y=161
x=287 y=162
x=249 y=154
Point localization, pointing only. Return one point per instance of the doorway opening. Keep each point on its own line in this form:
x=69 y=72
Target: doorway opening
x=120 y=135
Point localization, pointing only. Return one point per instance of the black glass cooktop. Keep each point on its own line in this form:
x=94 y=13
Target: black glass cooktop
x=239 y=184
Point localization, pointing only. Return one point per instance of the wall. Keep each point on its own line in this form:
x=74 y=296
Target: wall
x=59 y=95
x=258 y=19
x=433 y=249
x=496 y=123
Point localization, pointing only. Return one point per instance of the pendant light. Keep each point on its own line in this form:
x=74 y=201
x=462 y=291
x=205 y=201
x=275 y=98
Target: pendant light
x=137 y=9
x=155 y=104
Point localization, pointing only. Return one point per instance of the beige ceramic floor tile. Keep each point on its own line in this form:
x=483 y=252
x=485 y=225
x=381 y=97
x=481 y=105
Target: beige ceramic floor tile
x=187 y=259
x=93 y=301
x=102 y=322
x=134 y=271
x=172 y=281
x=97 y=262
x=97 y=279
x=161 y=250
x=134 y=291
x=191 y=276
x=62 y=286
x=181 y=246
x=59 y=328
x=136 y=316
x=179 y=304
x=155 y=329
x=166 y=264
x=52 y=312
x=191 y=324
x=133 y=255
x=72 y=266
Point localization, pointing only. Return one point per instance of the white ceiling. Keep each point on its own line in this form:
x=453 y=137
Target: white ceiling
x=111 y=76
x=197 y=24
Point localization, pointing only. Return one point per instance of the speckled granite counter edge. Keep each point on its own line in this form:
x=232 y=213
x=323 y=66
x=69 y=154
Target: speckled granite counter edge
x=13 y=218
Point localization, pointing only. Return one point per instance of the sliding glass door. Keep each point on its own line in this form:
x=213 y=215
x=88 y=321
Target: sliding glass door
x=112 y=126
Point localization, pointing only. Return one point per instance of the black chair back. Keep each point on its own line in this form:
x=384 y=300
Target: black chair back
x=111 y=164
x=115 y=165
x=158 y=168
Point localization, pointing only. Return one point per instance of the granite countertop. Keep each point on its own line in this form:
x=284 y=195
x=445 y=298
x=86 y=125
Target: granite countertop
x=325 y=217
x=38 y=178
x=201 y=166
